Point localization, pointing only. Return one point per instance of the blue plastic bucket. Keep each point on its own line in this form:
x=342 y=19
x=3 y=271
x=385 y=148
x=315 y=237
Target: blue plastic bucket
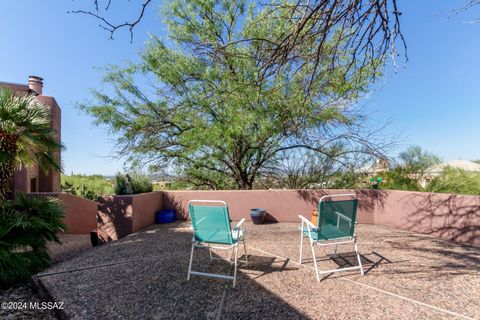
x=166 y=216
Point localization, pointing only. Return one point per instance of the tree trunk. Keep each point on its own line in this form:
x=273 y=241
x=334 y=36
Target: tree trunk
x=8 y=150
x=244 y=182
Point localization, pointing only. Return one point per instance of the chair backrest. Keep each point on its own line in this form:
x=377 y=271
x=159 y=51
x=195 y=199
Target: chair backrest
x=336 y=218
x=211 y=223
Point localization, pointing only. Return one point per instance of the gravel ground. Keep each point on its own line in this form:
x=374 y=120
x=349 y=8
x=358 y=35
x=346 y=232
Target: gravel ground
x=143 y=276
x=21 y=300
x=72 y=244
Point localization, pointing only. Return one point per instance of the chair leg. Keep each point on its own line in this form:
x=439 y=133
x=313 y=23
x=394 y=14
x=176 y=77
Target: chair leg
x=358 y=255
x=315 y=261
x=235 y=266
x=210 y=252
x=301 y=245
x=232 y=257
x=245 y=249
x=191 y=259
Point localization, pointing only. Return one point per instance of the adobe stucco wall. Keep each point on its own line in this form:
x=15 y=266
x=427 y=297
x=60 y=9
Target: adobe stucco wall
x=122 y=215
x=80 y=213
x=448 y=216
x=145 y=206
x=115 y=217
x=281 y=205
x=453 y=217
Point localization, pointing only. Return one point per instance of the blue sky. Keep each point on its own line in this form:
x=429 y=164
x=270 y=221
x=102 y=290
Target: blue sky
x=434 y=101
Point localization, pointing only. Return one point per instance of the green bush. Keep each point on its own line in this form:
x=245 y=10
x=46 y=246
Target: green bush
x=89 y=187
x=139 y=183
x=458 y=181
x=82 y=191
x=400 y=178
x=27 y=224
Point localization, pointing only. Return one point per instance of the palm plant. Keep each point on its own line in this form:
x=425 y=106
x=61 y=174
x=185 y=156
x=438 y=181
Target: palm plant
x=27 y=224
x=26 y=137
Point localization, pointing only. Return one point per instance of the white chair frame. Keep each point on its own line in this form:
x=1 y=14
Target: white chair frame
x=322 y=243
x=239 y=228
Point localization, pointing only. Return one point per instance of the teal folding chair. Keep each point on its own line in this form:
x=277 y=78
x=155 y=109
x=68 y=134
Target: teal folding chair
x=336 y=226
x=211 y=230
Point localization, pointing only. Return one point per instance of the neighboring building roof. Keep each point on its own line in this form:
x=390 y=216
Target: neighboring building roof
x=468 y=166
x=380 y=165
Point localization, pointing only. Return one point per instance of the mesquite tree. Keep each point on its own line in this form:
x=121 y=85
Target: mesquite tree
x=199 y=103
x=369 y=29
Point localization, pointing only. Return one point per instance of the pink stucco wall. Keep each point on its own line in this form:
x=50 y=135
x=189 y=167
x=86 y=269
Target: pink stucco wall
x=448 y=216
x=80 y=213
x=281 y=205
x=145 y=206
x=122 y=215
x=452 y=217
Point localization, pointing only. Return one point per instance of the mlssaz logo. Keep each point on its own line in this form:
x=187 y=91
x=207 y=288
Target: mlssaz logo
x=44 y=305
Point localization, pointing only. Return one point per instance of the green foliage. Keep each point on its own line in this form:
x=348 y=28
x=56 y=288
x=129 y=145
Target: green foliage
x=375 y=183
x=26 y=225
x=313 y=170
x=348 y=179
x=400 y=178
x=89 y=187
x=416 y=161
x=82 y=191
x=458 y=181
x=26 y=137
x=412 y=167
x=174 y=185
x=213 y=116
x=139 y=183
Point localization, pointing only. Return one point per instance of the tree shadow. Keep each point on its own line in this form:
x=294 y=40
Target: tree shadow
x=171 y=202
x=369 y=200
x=114 y=217
x=447 y=216
x=372 y=200
x=154 y=284
x=439 y=257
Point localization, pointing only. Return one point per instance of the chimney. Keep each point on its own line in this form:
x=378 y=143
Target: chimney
x=35 y=83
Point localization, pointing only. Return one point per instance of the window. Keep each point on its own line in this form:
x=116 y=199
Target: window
x=33 y=184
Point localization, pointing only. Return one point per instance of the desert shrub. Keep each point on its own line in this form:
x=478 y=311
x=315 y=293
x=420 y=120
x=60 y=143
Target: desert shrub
x=87 y=186
x=400 y=178
x=82 y=191
x=140 y=183
x=27 y=224
x=458 y=181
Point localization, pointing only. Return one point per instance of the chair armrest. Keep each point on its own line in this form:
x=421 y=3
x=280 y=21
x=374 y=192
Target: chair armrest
x=344 y=217
x=308 y=222
x=239 y=224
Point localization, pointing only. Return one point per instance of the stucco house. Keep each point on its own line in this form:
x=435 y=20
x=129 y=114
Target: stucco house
x=33 y=179
x=435 y=171
x=380 y=165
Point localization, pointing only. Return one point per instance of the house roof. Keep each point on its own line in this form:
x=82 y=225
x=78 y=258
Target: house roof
x=380 y=165
x=468 y=166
